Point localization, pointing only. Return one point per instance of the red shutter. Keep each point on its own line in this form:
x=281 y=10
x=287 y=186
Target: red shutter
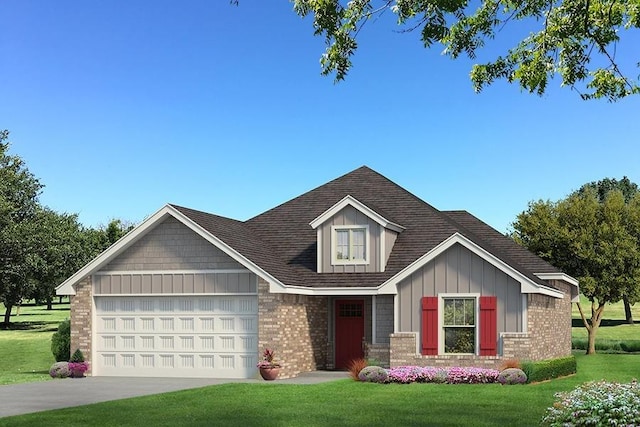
x=488 y=326
x=430 y=325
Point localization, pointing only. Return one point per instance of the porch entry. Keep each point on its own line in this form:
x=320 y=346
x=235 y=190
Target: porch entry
x=349 y=332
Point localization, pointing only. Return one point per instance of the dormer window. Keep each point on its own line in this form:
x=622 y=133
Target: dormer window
x=349 y=244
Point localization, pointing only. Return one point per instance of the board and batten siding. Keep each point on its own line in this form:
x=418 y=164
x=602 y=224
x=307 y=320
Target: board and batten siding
x=351 y=216
x=172 y=246
x=122 y=283
x=459 y=271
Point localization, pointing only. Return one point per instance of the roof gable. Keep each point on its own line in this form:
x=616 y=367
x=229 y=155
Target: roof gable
x=111 y=253
x=349 y=200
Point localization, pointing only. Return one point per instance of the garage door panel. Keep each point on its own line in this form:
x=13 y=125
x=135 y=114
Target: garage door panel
x=180 y=337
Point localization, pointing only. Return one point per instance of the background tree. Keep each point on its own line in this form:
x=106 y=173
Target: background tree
x=19 y=191
x=592 y=241
x=628 y=190
x=575 y=39
x=63 y=248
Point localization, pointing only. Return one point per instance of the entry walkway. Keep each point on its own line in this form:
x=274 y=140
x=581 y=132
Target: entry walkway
x=18 y=399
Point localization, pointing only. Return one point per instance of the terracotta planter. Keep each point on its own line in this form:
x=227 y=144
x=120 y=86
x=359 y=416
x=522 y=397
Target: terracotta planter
x=269 y=374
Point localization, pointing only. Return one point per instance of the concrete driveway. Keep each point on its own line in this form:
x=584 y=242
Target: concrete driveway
x=18 y=399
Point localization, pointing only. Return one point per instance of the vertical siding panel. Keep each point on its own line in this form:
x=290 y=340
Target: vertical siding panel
x=188 y=283
x=488 y=279
x=178 y=285
x=198 y=283
x=405 y=304
x=326 y=248
x=167 y=283
x=513 y=304
x=126 y=283
x=440 y=266
x=156 y=283
x=429 y=279
x=477 y=274
x=464 y=268
x=417 y=292
x=452 y=269
x=136 y=284
x=147 y=285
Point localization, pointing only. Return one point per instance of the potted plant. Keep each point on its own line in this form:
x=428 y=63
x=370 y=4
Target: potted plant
x=77 y=365
x=269 y=369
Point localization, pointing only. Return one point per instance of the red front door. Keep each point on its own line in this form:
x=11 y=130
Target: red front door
x=349 y=331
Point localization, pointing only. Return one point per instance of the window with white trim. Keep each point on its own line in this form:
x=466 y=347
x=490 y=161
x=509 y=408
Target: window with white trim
x=459 y=324
x=349 y=244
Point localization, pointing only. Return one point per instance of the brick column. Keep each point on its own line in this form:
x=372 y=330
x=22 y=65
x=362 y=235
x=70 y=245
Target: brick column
x=81 y=315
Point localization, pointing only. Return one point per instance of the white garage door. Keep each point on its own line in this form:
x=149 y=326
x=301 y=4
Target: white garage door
x=190 y=336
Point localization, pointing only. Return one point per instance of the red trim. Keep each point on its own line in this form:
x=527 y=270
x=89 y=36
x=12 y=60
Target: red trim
x=430 y=325
x=488 y=326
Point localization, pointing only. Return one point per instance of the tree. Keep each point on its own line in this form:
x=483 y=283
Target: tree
x=63 y=248
x=575 y=39
x=628 y=190
x=19 y=191
x=592 y=241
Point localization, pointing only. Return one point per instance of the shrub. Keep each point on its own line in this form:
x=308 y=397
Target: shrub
x=630 y=346
x=355 y=366
x=373 y=374
x=509 y=363
x=596 y=403
x=61 y=342
x=77 y=356
x=608 y=346
x=549 y=369
x=60 y=370
x=512 y=376
x=410 y=374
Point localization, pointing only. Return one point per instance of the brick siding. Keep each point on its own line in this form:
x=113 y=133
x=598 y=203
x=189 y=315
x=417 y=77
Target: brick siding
x=81 y=315
x=295 y=327
x=550 y=324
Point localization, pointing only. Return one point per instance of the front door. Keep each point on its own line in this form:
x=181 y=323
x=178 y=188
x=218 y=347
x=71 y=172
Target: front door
x=349 y=332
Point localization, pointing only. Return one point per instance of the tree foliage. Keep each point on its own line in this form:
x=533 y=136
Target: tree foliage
x=628 y=190
x=575 y=39
x=19 y=191
x=596 y=242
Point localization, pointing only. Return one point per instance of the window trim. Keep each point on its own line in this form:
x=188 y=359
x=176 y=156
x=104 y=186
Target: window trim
x=334 y=245
x=476 y=326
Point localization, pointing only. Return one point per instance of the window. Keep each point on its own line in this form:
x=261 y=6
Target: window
x=350 y=244
x=459 y=324
x=454 y=323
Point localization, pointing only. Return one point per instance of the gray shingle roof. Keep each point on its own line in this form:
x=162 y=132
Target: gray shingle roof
x=281 y=241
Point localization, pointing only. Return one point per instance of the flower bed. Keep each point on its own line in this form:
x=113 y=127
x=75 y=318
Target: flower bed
x=455 y=375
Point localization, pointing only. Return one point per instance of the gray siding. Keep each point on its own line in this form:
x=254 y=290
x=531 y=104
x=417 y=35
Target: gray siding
x=389 y=240
x=172 y=246
x=178 y=283
x=384 y=318
x=351 y=216
x=458 y=270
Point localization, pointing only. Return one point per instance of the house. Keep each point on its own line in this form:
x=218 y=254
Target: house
x=356 y=267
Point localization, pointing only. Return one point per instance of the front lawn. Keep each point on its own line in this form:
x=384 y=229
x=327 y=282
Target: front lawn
x=343 y=402
x=25 y=348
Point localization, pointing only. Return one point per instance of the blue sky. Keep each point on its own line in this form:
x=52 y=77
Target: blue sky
x=121 y=107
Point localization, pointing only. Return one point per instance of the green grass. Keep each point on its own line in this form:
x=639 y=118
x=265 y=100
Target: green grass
x=25 y=348
x=344 y=402
x=613 y=326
